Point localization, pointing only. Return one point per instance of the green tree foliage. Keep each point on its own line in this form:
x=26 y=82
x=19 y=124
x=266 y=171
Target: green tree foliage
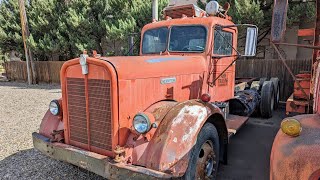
x=45 y=33
x=259 y=12
x=66 y=27
x=10 y=30
x=298 y=11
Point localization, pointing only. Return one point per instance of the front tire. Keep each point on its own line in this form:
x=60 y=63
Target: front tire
x=204 y=158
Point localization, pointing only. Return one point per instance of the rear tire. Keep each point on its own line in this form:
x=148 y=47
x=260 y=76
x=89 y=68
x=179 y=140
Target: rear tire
x=204 y=157
x=261 y=82
x=276 y=84
x=267 y=99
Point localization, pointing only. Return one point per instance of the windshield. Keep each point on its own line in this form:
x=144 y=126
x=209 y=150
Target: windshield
x=155 y=40
x=182 y=39
x=188 y=38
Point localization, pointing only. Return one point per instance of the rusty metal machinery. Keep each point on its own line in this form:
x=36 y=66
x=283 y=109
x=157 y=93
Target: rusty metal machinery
x=302 y=99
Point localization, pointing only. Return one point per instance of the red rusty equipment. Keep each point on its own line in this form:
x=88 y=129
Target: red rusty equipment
x=297 y=158
x=304 y=81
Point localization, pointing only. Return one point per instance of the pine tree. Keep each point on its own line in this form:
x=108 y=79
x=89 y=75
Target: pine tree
x=45 y=39
x=65 y=28
x=10 y=29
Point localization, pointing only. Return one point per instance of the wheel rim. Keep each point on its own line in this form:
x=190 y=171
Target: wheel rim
x=206 y=162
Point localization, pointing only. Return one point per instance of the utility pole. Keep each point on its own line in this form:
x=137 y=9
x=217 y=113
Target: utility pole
x=155 y=7
x=131 y=44
x=25 y=35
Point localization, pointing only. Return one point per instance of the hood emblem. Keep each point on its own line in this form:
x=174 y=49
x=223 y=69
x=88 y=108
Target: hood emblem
x=83 y=63
x=168 y=80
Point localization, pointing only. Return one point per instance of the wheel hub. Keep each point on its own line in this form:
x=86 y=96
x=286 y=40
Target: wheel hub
x=206 y=162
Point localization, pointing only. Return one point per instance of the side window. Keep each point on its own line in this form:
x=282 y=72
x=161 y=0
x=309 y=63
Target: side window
x=222 y=42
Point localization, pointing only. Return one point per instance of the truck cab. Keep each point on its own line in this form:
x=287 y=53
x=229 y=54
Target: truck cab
x=154 y=115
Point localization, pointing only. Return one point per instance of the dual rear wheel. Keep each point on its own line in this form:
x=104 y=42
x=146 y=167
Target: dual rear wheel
x=270 y=96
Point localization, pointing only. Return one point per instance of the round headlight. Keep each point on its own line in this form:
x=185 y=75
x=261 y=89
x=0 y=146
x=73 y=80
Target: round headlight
x=54 y=107
x=141 y=123
x=291 y=127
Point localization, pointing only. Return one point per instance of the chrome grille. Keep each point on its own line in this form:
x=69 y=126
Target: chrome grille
x=99 y=112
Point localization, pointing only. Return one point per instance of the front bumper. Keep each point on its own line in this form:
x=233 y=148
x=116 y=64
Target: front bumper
x=99 y=164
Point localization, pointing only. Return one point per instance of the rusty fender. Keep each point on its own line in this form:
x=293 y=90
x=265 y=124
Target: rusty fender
x=297 y=158
x=169 y=148
x=52 y=127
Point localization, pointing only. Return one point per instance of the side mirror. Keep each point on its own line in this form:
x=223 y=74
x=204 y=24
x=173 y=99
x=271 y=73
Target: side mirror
x=251 y=42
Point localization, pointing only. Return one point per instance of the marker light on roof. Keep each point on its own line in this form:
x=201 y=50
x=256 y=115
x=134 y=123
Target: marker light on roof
x=212 y=8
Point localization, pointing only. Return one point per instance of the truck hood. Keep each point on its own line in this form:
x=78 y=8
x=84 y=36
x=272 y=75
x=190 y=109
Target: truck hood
x=141 y=67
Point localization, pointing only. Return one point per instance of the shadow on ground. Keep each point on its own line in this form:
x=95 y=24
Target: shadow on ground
x=31 y=164
x=249 y=150
x=24 y=85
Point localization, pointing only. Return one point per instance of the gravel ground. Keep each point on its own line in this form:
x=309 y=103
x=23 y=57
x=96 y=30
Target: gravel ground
x=21 y=110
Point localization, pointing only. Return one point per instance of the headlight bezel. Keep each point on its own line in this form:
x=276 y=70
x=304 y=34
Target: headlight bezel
x=148 y=123
x=56 y=102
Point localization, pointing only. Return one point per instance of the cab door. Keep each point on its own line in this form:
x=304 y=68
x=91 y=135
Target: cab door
x=222 y=80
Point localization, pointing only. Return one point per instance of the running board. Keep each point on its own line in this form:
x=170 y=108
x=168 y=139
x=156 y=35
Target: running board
x=234 y=123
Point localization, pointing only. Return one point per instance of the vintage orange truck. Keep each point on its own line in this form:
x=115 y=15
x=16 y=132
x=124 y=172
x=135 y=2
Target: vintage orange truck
x=167 y=113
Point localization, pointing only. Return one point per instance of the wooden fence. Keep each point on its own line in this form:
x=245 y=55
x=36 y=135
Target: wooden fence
x=273 y=68
x=49 y=71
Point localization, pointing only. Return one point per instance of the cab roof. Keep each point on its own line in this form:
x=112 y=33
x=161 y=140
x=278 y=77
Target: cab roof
x=205 y=21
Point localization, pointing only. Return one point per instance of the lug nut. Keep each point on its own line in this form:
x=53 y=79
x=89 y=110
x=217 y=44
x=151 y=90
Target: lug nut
x=214 y=162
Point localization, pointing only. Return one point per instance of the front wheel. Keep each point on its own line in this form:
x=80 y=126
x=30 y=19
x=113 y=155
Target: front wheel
x=204 y=158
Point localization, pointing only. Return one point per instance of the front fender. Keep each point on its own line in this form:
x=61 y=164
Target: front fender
x=168 y=150
x=49 y=124
x=297 y=158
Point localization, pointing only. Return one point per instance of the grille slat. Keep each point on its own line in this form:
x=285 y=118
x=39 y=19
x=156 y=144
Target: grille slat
x=101 y=135
x=99 y=94
x=76 y=98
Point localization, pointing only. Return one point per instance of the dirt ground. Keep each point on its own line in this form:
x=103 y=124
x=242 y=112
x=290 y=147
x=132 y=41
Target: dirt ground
x=21 y=110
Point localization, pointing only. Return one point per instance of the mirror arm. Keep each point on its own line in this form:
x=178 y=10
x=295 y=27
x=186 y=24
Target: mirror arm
x=214 y=81
x=223 y=56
